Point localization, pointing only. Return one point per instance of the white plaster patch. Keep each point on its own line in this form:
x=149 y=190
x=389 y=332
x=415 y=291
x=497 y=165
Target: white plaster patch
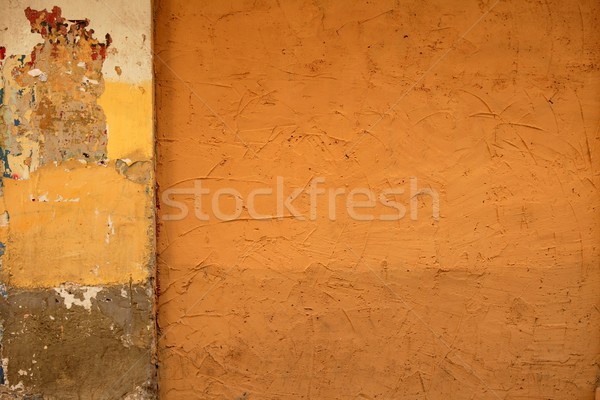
x=35 y=72
x=111 y=230
x=5 y=369
x=4 y=218
x=87 y=80
x=45 y=199
x=38 y=73
x=60 y=199
x=137 y=394
x=67 y=292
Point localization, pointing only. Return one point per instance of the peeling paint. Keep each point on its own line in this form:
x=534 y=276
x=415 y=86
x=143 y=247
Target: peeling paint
x=80 y=230
x=54 y=119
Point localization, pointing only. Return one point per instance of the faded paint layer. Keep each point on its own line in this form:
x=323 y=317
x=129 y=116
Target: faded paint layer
x=495 y=110
x=128 y=107
x=86 y=224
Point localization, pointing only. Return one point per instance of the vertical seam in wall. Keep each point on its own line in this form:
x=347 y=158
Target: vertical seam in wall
x=154 y=267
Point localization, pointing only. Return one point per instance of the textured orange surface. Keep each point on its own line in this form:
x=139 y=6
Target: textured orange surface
x=495 y=110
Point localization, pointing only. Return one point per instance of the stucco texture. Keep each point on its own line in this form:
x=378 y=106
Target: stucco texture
x=492 y=105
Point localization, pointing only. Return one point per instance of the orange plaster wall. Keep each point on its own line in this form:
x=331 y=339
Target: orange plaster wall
x=496 y=111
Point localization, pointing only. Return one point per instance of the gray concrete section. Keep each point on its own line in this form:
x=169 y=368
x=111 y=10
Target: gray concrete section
x=78 y=342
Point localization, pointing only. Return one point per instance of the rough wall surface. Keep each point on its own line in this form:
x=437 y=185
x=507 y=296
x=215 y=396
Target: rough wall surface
x=494 y=105
x=77 y=226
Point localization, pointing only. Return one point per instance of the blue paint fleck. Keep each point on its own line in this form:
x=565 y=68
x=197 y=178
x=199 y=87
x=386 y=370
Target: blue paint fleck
x=1 y=95
x=17 y=122
x=4 y=160
x=2 y=382
x=2 y=249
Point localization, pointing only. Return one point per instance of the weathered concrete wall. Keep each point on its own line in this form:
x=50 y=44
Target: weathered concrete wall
x=77 y=227
x=495 y=110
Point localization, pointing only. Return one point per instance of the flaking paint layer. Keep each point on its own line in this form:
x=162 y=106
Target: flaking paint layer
x=76 y=201
x=76 y=151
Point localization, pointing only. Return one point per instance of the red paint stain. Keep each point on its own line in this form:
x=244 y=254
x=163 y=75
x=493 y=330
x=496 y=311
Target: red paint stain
x=44 y=19
x=56 y=29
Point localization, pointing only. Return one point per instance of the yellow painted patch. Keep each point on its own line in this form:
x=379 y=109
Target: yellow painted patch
x=78 y=223
x=128 y=110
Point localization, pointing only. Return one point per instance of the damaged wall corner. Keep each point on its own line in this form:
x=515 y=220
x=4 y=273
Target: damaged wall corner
x=77 y=200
